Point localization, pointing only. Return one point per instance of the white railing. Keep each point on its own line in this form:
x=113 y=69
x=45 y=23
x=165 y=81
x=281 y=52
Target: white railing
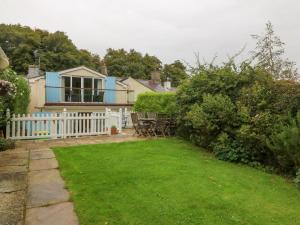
x=61 y=125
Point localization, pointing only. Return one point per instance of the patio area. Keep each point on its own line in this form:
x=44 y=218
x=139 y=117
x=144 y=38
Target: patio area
x=32 y=191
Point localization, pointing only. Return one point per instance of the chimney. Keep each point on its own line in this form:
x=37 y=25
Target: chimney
x=103 y=68
x=155 y=77
x=167 y=84
x=33 y=71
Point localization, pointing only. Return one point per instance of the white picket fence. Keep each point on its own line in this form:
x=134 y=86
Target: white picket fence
x=61 y=125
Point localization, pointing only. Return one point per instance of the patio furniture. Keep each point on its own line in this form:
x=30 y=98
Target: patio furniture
x=148 y=125
x=136 y=124
x=153 y=124
x=162 y=124
x=152 y=115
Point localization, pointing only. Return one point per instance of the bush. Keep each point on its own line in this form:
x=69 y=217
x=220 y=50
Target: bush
x=214 y=115
x=241 y=114
x=18 y=99
x=285 y=143
x=6 y=144
x=297 y=179
x=21 y=98
x=228 y=149
x=156 y=102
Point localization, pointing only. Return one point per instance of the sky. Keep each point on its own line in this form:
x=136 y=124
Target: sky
x=168 y=29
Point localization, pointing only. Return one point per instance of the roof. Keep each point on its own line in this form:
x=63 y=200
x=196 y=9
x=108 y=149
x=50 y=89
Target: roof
x=80 y=68
x=91 y=71
x=157 y=87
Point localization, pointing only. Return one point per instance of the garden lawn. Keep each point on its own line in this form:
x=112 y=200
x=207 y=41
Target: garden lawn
x=171 y=182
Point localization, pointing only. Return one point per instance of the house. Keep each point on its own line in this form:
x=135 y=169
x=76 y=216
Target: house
x=81 y=89
x=153 y=85
x=78 y=89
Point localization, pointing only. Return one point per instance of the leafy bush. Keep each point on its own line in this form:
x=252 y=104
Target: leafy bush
x=285 y=143
x=22 y=91
x=6 y=144
x=228 y=149
x=241 y=114
x=19 y=98
x=156 y=102
x=285 y=97
x=215 y=114
x=297 y=179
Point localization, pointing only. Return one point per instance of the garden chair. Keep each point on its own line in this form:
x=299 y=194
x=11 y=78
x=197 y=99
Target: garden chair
x=151 y=115
x=135 y=123
x=141 y=115
x=161 y=124
x=170 y=125
x=140 y=127
x=152 y=124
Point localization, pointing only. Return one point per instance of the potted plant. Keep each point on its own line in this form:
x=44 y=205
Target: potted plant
x=114 y=130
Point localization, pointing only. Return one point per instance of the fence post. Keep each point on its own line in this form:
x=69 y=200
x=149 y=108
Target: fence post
x=108 y=122
x=120 y=120
x=7 y=135
x=64 y=120
x=126 y=119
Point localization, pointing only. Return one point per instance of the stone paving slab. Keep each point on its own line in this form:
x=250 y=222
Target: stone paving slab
x=58 y=214
x=9 y=161
x=43 y=164
x=44 y=154
x=10 y=182
x=14 y=155
x=12 y=169
x=19 y=149
x=12 y=208
x=40 y=149
x=44 y=176
x=45 y=187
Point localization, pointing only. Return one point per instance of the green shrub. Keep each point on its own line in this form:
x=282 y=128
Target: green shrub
x=214 y=115
x=285 y=97
x=297 y=179
x=21 y=98
x=285 y=144
x=240 y=113
x=228 y=149
x=156 y=102
x=6 y=144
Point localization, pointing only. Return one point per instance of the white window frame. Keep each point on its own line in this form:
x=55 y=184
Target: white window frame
x=82 y=85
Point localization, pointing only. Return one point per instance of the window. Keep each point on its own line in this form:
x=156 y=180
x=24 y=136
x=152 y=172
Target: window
x=98 y=94
x=76 y=89
x=82 y=89
x=67 y=89
x=88 y=89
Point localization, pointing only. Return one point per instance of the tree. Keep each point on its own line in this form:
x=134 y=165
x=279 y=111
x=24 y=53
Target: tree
x=269 y=53
x=175 y=71
x=121 y=63
x=25 y=46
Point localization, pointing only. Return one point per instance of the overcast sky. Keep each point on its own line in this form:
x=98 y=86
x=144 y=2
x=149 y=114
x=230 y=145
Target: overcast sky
x=169 y=29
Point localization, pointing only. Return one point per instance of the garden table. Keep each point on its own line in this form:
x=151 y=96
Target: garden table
x=148 y=125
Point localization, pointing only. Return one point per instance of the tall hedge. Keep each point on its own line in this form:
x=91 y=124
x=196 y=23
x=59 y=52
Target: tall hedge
x=242 y=115
x=156 y=102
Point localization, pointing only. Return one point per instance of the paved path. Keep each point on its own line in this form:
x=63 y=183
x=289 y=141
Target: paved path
x=13 y=179
x=32 y=192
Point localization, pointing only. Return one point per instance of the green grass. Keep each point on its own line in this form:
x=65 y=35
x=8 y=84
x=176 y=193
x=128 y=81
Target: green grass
x=171 y=182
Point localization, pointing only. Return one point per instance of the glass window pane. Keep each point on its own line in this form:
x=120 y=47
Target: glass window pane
x=76 y=89
x=88 y=92
x=66 y=95
x=98 y=93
